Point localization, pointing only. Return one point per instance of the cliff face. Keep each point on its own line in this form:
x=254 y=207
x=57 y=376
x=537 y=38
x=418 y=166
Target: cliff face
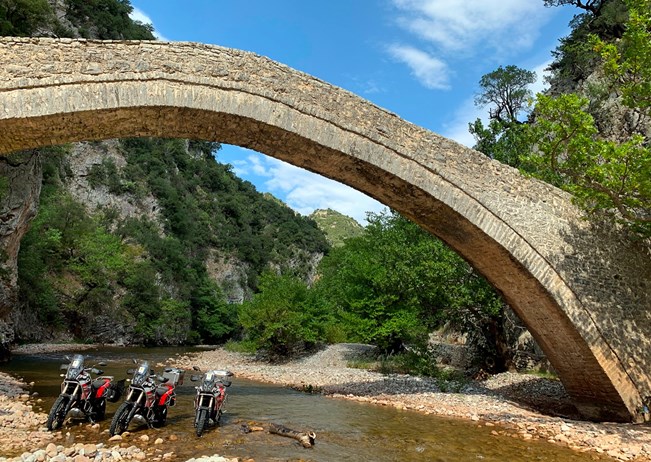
x=21 y=176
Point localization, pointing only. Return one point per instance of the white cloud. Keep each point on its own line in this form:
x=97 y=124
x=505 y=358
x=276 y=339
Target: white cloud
x=302 y=190
x=455 y=26
x=139 y=15
x=541 y=73
x=457 y=128
x=428 y=70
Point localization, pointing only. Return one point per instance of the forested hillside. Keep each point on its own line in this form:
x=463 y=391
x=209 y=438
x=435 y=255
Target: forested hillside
x=336 y=226
x=143 y=240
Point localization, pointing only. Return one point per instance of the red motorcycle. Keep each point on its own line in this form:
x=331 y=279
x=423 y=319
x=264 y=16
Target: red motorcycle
x=210 y=398
x=148 y=398
x=81 y=396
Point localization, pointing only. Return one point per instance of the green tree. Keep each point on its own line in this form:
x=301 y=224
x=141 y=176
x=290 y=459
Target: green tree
x=106 y=20
x=396 y=282
x=612 y=178
x=506 y=90
x=215 y=320
x=604 y=176
x=277 y=320
x=506 y=142
x=23 y=18
x=627 y=62
x=592 y=6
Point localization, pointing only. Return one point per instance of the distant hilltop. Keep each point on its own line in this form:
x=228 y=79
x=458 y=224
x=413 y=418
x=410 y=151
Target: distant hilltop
x=336 y=226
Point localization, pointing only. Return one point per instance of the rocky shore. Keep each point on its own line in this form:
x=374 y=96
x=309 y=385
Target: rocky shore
x=522 y=406
x=519 y=405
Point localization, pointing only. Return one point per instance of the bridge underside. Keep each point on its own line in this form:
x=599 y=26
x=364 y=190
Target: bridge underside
x=524 y=236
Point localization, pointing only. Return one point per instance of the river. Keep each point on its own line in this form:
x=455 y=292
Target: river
x=346 y=430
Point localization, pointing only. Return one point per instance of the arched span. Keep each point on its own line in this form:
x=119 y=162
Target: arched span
x=524 y=236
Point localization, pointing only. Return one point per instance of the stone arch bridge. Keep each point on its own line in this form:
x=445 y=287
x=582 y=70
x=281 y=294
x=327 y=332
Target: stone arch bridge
x=583 y=293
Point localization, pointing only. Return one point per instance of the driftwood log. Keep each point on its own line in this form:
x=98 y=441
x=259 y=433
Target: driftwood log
x=306 y=439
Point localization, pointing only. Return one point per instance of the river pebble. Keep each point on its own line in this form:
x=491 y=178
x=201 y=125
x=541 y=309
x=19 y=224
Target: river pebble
x=511 y=404
x=521 y=405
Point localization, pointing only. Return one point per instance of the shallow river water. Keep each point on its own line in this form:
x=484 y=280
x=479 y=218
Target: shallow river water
x=346 y=430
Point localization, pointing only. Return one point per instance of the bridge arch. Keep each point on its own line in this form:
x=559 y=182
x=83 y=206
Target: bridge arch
x=582 y=292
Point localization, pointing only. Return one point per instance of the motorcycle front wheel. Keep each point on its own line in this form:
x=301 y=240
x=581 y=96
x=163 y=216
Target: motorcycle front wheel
x=57 y=413
x=120 y=421
x=201 y=421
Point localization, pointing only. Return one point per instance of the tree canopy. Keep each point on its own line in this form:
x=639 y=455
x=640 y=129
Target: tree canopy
x=506 y=90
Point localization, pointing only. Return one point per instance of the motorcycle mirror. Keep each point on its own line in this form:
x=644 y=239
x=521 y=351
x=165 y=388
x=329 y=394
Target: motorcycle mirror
x=130 y=371
x=195 y=378
x=64 y=367
x=103 y=364
x=67 y=357
x=195 y=368
x=134 y=360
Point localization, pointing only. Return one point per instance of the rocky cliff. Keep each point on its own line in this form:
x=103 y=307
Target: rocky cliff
x=20 y=176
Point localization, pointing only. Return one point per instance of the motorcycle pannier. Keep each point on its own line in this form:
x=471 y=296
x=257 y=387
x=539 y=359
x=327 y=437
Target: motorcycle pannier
x=174 y=375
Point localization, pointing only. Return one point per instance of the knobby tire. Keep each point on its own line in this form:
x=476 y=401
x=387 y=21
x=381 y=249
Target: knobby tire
x=57 y=413
x=120 y=421
x=202 y=421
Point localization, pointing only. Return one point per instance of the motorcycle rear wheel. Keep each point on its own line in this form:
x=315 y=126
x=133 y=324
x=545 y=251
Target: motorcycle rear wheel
x=57 y=413
x=120 y=421
x=201 y=421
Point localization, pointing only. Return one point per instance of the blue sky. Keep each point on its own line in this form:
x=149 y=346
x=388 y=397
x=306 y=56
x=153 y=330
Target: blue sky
x=421 y=59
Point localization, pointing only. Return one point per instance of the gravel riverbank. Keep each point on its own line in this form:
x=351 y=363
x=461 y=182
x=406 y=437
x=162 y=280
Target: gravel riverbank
x=509 y=403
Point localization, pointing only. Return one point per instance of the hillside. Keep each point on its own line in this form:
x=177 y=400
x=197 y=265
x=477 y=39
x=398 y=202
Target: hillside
x=142 y=240
x=336 y=226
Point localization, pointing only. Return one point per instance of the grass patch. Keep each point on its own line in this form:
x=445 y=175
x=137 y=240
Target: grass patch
x=542 y=374
x=413 y=362
x=243 y=346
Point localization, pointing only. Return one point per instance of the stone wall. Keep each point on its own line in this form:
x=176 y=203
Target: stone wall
x=581 y=289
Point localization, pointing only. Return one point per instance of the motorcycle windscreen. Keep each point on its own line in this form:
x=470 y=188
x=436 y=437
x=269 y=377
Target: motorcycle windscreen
x=76 y=367
x=141 y=374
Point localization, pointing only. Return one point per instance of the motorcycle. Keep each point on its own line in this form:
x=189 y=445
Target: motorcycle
x=210 y=398
x=81 y=395
x=148 y=398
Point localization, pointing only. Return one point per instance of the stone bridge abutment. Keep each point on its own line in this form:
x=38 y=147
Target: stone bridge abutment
x=583 y=292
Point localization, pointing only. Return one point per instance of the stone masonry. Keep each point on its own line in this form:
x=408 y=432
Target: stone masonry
x=583 y=291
